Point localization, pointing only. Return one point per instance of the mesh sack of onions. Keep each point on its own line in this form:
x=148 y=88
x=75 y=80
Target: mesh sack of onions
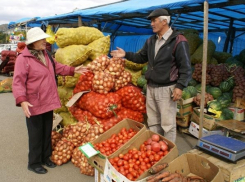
x=55 y=137
x=116 y=66
x=84 y=82
x=77 y=133
x=217 y=75
x=66 y=130
x=132 y=98
x=99 y=64
x=81 y=161
x=122 y=114
x=123 y=80
x=100 y=105
x=82 y=115
x=103 y=82
x=197 y=99
x=94 y=132
x=197 y=74
x=62 y=152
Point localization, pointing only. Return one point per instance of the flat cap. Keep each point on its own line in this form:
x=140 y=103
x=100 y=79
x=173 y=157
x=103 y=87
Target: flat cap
x=158 y=12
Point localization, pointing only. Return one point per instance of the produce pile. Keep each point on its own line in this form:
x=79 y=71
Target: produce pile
x=111 y=81
x=112 y=95
x=111 y=98
x=65 y=145
x=137 y=161
x=224 y=86
x=6 y=85
x=9 y=57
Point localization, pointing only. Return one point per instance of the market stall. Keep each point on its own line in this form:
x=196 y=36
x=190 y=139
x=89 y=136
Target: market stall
x=114 y=91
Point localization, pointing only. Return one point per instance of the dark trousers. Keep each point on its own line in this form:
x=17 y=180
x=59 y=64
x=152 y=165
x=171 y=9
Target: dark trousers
x=39 y=132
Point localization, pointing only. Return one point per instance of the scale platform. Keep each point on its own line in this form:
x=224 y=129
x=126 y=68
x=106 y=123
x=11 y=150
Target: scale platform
x=225 y=147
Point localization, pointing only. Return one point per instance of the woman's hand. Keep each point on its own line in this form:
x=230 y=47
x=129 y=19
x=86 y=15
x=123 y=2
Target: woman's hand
x=177 y=94
x=25 y=106
x=81 y=69
x=120 y=53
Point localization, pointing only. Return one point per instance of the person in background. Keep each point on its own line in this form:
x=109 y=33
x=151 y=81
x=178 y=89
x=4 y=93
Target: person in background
x=168 y=73
x=35 y=90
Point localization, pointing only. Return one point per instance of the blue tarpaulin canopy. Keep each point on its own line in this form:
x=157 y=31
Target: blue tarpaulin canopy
x=226 y=18
x=129 y=17
x=29 y=22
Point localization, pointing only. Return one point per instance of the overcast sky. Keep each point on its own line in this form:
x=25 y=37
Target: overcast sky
x=13 y=10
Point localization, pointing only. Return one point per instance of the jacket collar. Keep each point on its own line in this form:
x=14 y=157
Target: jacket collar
x=27 y=53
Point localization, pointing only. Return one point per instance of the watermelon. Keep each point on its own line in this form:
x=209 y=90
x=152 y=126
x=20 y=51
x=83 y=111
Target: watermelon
x=215 y=92
x=192 y=90
x=226 y=114
x=233 y=61
x=224 y=102
x=186 y=94
x=192 y=82
x=231 y=82
x=141 y=81
x=225 y=86
x=227 y=95
x=198 y=87
x=144 y=69
x=214 y=104
x=207 y=88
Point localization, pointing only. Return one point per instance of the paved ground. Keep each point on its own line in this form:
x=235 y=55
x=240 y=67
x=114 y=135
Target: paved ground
x=14 y=149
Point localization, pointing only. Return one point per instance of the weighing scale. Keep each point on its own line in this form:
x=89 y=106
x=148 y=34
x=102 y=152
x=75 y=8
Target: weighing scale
x=225 y=147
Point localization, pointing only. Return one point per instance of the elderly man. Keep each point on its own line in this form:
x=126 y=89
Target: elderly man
x=168 y=73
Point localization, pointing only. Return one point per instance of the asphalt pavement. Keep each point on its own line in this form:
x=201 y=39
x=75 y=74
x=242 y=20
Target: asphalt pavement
x=14 y=149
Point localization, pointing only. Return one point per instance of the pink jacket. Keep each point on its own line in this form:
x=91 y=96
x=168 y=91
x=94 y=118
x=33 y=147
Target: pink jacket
x=35 y=83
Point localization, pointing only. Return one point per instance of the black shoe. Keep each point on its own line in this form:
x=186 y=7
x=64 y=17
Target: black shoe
x=49 y=164
x=38 y=169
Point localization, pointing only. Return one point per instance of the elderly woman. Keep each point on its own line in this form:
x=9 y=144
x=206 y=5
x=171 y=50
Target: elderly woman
x=35 y=90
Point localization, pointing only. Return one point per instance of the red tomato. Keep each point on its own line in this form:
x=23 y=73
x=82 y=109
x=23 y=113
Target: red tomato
x=136 y=156
x=125 y=157
x=151 y=158
x=130 y=176
x=120 y=156
x=148 y=153
x=146 y=160
x=157 y=157
x=165 y=152
x=126 y=166
x=116 y=159
x=163 y=146
x=149 y=141
x=155 y=137
x=119 y=162
x=155 y=147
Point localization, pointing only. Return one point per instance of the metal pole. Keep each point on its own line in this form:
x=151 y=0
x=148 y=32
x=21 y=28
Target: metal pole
x=204 y=66
x=79 y=21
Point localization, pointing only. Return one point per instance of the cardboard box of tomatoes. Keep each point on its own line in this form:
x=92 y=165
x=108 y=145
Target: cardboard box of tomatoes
x=98 y=161
x=138 y=156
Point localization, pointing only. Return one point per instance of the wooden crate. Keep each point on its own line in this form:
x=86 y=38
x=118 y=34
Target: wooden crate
x=232 y=172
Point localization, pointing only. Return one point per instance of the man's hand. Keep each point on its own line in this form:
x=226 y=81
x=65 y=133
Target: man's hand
x=120 y=53
x=177 y=94
x=81 y=69
x=25 y=106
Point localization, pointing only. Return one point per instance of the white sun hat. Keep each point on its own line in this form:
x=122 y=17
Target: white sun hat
x=35 y=34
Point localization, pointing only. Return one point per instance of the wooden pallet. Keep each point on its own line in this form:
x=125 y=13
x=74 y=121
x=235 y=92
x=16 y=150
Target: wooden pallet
x=231 y=171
